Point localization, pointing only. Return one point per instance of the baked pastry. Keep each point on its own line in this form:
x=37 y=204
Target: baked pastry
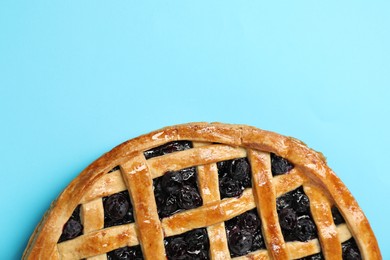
x=206 y=191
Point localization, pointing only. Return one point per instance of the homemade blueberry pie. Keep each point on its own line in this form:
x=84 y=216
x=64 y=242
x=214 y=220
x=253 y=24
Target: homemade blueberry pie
x=206 y=191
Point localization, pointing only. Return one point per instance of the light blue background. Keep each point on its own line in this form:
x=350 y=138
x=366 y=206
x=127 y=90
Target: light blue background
x=79 y=77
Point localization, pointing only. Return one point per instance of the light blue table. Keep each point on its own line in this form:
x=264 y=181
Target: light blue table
x=79 y=77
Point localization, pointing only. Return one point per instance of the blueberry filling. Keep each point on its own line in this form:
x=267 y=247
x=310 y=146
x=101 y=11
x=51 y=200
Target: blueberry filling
x=116 y=168
x=294 y=216
x=305 y=228
x=350 y=250
x=296 y=200
x=279 y=165
x=188 y=197
x=126 y=253
x=73 y=227
x=168 y=148
x=190 y=245
x=337 y=217
x=176 y=191
x=318 y=256
x=288 y=219
x=234 y=176
x=117 y=209
x=244 y=233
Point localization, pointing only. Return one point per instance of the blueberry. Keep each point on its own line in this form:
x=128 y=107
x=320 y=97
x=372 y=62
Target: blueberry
x=258 y=241
x=72 y=227
x=160 y=200
x=305 y=229
x=240 y=169
x=231 y=223
x=188 y=175
x=301 y=203
x=114 y=169
x=176 y=146
x=230 y=188
x=234 y=176
x=176 y=191
x=239 y=241
x=337 y=217
x=176 y=248
x=190 y=245
x=224 y=168
x=169 y=206
x=318 y=256
x=157 y=186
x=168 y=148
x=153 y=153
x=351 y=250
x=172 y=181
x=199 y=255
x=117 y=209
x=244 y=233
x=287 y=219
x=197 y=240
x=116 y=206
x=126 y=253
x=249 y=222
x=295 y=199
x=189 y=198
x=284 y=201
x=280 y=165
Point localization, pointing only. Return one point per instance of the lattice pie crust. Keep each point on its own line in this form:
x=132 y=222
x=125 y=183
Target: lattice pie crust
x=212 y=143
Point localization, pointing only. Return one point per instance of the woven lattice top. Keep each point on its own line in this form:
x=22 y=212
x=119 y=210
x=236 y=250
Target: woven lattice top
x=127 y=168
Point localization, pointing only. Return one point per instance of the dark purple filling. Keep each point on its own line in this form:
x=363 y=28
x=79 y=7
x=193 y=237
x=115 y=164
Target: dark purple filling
x=244 y=233
x=234 y=176
x=190 y=245
x=73 y=227
x=295 y=199
x=126 y=253
x=337 y=217
x=176 y=191
x=279 y=165
x=117 y=209
x=168 y=148
x=350 y=250
x=294 y=216
x=318 y=256
x=114 y=169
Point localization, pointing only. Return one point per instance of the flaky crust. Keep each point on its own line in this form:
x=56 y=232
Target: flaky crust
x=238 y=140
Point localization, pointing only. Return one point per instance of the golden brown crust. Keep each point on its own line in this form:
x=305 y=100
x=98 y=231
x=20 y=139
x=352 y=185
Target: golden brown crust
x=235 y=141
x=265 y=198
x=140 y=184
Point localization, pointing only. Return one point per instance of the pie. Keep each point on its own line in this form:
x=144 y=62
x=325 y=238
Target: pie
x=206 y=191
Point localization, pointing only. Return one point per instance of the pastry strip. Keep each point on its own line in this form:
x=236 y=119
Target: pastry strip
x=98 y=257
x=209 y=190
x=321 y=212
x=92 y=215
x=107 y=185
x=299 y=249
x=94 y=183
x=288 y=182
x=209 y=214
x=265 y=198
x=98 y=242
x=113 y=183
x=193 y=157
x=140 y=185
